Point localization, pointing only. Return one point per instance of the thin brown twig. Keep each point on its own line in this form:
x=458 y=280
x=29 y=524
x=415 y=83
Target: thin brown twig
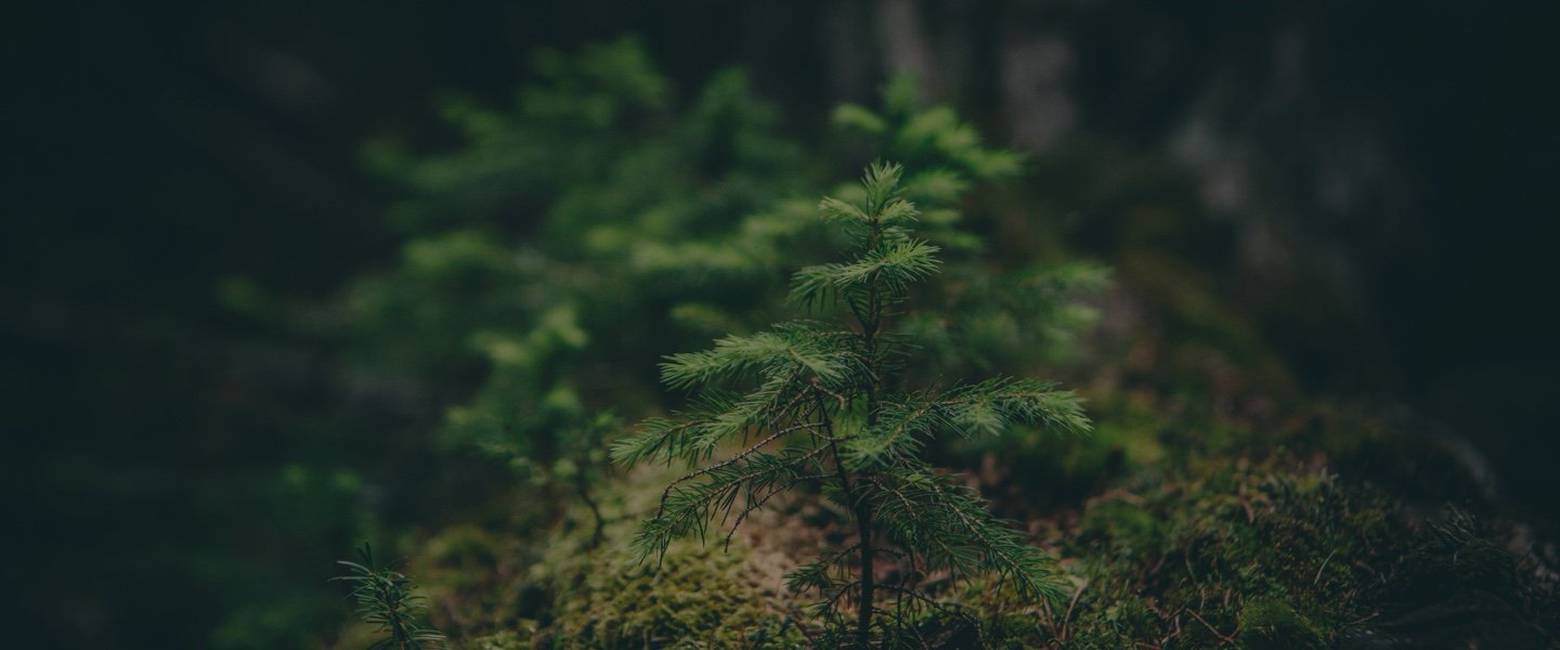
x=1227 y=638
x=730 y=461
x=1322 y=568
x=794 y=616
x=1067 y=618
x=750 y=507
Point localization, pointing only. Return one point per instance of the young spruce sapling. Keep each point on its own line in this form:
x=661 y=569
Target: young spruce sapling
x=826 y=404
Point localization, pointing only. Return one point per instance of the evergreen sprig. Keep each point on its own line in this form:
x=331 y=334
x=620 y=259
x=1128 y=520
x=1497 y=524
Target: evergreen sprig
x=818 y=404
x=989 y=407
x=385 y=599
x=793 y=348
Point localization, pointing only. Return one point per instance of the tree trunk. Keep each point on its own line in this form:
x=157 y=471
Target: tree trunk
x=864 y=606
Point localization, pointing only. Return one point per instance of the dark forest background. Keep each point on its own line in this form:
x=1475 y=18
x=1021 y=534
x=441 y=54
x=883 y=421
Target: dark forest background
x=1382 y=174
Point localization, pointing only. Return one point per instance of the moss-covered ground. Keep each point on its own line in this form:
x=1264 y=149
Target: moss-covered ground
x=1214 y=506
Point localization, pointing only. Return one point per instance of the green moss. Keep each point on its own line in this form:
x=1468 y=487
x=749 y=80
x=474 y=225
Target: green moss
x=1278 y=554
x=1132 y=530
x=470 y=576
x=508 y=639
x=1193 y=549
x=1260 y=555
x=696 y=597
x=1228 y=551
x=549 y=588
x=1271 y=624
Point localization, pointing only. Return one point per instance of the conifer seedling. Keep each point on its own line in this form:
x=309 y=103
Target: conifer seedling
x=824 y=404
x=385 y=599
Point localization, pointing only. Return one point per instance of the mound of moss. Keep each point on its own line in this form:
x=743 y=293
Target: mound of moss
x=695 y=597
x=528 y=587
x=1279 y=554
x=1217 y=552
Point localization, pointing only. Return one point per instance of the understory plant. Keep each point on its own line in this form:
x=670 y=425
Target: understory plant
x=826 y=406
x=386 y=600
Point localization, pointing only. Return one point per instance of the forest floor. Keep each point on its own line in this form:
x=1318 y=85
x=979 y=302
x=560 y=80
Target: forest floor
x=1214 y=506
